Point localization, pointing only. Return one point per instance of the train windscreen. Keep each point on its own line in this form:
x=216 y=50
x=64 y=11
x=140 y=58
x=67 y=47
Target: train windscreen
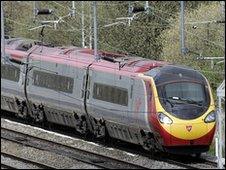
x=185 y=91
x=182 y=92
x=184 y=100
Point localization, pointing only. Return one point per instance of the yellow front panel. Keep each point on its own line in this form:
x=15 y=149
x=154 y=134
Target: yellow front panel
x=188 y=131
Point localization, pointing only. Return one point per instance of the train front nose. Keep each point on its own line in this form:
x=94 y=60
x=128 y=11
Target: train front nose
x=188 y=138
x=184 y=107
x=190 y=134
x=187 y=124
x=194 y=131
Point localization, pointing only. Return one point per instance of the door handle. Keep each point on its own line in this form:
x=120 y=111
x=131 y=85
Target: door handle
x=87 y=93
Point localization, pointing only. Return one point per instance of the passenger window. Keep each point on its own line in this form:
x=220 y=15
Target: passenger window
x=24 y=46
x=53 y=81
x=10 y=72
x=110 y=94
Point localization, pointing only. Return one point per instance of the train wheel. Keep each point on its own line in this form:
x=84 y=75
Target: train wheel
x=39 y=117
x=23 y=112
x=89 y=135
x=38 y=113
x=99 y=128
x=106 y=138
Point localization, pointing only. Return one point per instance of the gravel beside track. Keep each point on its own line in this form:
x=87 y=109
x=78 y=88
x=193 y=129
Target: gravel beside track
x=24 y=162
x=88 y=146
x=190 y=162
x=51 y=159
x=3 y=166
x=78 y=154
x=137 y=159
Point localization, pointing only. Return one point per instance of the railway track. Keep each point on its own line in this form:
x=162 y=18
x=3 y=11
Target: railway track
x=190 y=163
x=74 y=153
x=182 y=161
x=185 y=161
x=26 y=162
x=4 y=166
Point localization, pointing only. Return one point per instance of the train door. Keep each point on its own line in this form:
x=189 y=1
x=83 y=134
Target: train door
x=26 y=79
x=131 y=101
x=86 y=88
x=85 y=74
x=10 y=81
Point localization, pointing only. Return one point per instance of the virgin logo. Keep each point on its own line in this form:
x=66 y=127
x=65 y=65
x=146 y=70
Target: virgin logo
x=189 y=128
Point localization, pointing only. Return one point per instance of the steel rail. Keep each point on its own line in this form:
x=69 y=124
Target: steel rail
x=25 y=160
x=64 y=150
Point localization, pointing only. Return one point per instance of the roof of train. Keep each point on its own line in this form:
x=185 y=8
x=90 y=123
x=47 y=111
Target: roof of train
x=77 y=56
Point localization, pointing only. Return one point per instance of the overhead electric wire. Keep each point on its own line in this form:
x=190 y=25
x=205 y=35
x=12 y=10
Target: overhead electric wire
x=86 y=16
x=119 y=50
x=206 y=29
x=210 y=42
x=102 y=41
x=16 y=22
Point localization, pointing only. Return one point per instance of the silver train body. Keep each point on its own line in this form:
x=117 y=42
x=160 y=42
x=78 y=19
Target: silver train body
x=42 y=83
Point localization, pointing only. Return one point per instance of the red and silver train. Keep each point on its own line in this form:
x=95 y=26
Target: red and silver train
x=150 y=103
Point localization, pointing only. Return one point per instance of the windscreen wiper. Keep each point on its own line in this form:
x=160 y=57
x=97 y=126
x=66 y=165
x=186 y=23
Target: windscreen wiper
x=167 y=100
x=190 y=101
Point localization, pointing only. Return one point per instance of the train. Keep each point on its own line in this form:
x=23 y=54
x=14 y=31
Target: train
x=155 y=104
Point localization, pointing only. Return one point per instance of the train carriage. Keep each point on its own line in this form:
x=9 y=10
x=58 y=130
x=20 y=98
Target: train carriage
x=151 y=103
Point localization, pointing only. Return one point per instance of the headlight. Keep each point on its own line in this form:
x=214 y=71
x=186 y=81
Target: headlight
x=211 y=117
x=164 y=119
